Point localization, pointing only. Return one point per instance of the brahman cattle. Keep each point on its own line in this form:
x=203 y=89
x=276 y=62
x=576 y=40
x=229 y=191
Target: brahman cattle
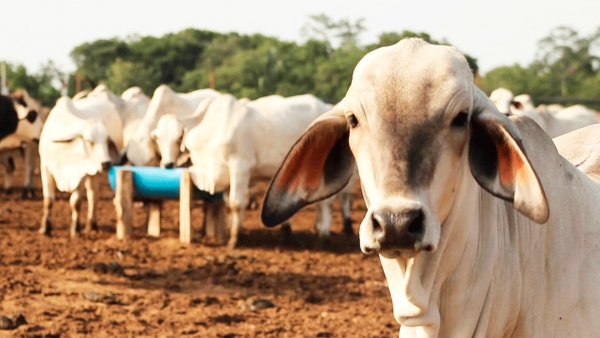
x=131 y=107
x=236 y=143
x=553 y=123
x=140 y=149
x=79 y=140
x=482 y=227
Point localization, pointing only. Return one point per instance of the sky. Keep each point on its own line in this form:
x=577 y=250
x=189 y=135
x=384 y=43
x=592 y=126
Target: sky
x=497 y=33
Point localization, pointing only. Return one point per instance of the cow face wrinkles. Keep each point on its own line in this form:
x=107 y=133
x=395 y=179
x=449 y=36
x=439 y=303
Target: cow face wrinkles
x=408 y=151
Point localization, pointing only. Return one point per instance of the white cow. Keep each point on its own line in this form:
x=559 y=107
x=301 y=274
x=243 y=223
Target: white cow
x=131 y=108
x=236 y=143
x=554 y=124
x=559 y=123
x=141 y=150
x=502 y=98
x=79 y=140
x=482 y=228
x=20 y=127
x=170 y=129
x=551 y=108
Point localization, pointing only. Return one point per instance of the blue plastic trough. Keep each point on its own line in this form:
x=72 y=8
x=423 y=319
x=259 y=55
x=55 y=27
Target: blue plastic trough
x=154 y=183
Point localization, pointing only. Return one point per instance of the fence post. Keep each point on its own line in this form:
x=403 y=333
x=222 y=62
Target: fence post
x=185 y=208
x=154 y=213
x=124 y=202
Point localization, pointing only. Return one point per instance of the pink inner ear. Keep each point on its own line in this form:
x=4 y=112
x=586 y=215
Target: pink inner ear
x=511 y=165
x=304 y=165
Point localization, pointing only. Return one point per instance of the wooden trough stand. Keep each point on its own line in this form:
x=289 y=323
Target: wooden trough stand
x=153 y=185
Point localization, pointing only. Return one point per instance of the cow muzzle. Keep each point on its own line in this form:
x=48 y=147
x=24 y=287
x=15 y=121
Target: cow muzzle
x=394 y=233
x=106 y=165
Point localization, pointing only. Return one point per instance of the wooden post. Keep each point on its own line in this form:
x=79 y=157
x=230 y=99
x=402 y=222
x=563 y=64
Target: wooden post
x=78 y=82
x=214 y=220
x=154 y=211
x=185 y=208
x=123 y=203
x=211 y=78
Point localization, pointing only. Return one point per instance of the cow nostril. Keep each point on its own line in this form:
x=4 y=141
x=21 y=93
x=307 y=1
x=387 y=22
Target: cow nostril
x=416 y=227
x=378 y=222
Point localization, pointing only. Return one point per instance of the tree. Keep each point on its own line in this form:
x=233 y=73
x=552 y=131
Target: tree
x=566 y=59
x=93 y=59
x=322 y=28
x=39 y=86
x=125 y=74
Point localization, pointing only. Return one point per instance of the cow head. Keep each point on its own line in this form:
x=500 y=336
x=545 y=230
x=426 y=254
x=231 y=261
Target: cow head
x=168 y=136
x=418 y=129
x=502 y=99
x=99 y=147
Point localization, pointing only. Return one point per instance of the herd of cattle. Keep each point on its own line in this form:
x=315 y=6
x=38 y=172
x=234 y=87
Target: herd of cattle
x=230 y=143
x=484 y=224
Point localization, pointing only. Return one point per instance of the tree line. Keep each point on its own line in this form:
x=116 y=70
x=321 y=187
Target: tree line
x=256 y=65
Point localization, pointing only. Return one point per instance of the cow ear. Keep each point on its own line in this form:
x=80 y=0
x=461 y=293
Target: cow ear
x=499 y=163
x=319 y=165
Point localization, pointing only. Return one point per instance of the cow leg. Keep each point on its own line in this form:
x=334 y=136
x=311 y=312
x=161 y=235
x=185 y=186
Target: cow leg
x=323 y=224
x=9 y=168
x=28 y=159
x=48 y=190
x=75 y=203
x=92 y=189
x=346 y=206
x=240 y=179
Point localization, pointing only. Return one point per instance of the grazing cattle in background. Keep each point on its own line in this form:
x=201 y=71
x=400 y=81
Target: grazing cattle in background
x=140 y=149
x=554 y=124
x=482 y=228
x=170 y=129
x=502 y=98
x=131 y=108
x=550 y=108
x=559 y=123
x=20 y=127
x=80 y=139
x=236 y=143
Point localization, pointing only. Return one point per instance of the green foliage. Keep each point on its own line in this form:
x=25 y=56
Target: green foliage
x=565 y=66
x=256 y=65
x=39 y=86
x=121 y=75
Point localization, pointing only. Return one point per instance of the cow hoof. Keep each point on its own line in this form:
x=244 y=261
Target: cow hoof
x=46 y=231
x=91 y=226
x=348 y=227
x=27 y=194
x=232 y=244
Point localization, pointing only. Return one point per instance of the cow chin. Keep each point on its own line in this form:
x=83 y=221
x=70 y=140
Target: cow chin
x=399 y=254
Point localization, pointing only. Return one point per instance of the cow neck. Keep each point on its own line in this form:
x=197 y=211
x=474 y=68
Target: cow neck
x=429 y=290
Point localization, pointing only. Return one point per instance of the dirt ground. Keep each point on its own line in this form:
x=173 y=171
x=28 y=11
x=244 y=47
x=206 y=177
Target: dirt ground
x=98 y=286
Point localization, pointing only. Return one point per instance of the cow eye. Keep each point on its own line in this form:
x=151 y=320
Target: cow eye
x=352 y=120
x=460 y=120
